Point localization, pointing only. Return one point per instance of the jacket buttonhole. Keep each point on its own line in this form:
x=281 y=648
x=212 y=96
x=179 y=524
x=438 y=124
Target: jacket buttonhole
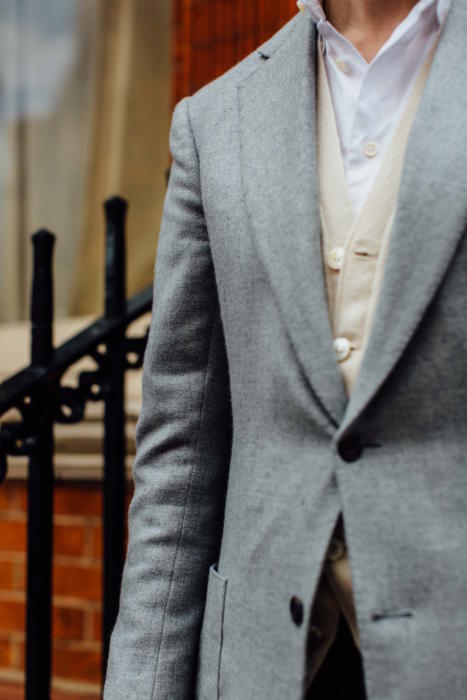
x=376 y=617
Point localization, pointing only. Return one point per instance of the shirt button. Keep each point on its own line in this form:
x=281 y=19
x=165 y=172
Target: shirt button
x=371 y=149
x=342 y=65
x=336 y=258
x=342 y=348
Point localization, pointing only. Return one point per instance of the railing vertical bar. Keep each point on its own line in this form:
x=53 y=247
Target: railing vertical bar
x=40 y=482
x=114 y=421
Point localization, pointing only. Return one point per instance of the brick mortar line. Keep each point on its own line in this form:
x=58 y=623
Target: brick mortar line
x=12 y=557
x=75 y=603
x=11 y=675
x=9 y=514
x=65 y=561
x=80 y=562
x=16 y=654
x=13 y=596
x=60 y=684
x=82 y=688
x=76 y=645
x=88 y=625
x=16 y=515
x=64 y=519
x=58 y=601
x=77 y=519
x=89 y=541
x=12 y=636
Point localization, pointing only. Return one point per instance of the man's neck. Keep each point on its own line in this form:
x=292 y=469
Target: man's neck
x=368 y=24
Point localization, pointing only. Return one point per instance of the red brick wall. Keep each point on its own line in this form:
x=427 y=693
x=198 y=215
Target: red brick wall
x=77 y=586
x=210 y=36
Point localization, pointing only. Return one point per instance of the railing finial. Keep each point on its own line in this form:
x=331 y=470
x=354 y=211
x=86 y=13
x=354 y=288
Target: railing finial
x=42 y=303
x=115 y=210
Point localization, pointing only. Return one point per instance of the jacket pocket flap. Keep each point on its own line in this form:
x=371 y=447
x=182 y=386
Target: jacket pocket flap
x=211 y=636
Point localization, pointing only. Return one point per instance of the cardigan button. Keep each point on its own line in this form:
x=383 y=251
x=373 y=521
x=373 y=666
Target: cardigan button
x=296 y=610
x=350 y=448
x=336 y=257
x=343 y=348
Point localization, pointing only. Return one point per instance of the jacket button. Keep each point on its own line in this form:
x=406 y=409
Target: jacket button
x=296 y=610
x=350 y=448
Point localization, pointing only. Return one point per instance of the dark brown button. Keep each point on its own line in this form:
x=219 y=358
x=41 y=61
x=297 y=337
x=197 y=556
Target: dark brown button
x=350 y=448
x=296 y=610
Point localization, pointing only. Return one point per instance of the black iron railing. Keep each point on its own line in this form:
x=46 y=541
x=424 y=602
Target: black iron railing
x=39 y=394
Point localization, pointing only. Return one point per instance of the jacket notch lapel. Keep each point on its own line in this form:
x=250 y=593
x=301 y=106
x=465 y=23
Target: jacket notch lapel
x=277 y=105
x=431 y=215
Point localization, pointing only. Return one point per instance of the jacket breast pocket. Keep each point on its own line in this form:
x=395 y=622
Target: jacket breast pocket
x=210 y=644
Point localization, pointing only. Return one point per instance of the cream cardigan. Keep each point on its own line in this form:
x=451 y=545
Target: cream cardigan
x=354 y=251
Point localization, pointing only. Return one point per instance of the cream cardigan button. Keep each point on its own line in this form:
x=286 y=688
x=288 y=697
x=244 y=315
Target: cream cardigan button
x=336 y=258
x=371 y=149
x=301 y=6
x=342 y=348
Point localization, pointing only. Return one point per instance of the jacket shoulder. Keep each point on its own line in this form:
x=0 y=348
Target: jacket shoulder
x=218 y=90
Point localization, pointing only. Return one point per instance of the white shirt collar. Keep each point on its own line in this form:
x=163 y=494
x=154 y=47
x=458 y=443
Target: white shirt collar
x=315 y=8
x=414 y=23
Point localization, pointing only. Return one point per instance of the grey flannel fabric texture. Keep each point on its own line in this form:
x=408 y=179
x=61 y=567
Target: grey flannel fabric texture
x=238 y=477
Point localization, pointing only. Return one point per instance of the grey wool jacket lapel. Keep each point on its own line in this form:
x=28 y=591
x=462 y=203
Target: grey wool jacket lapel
x=277 y=117
x=277 y=107
x=431 y=213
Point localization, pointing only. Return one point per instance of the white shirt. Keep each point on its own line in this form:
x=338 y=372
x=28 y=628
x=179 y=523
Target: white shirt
x=369 y=98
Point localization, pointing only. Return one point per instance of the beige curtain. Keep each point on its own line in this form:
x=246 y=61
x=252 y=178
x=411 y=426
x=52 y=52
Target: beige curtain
x=130 y=144
x=47 y=86
x=84 y=114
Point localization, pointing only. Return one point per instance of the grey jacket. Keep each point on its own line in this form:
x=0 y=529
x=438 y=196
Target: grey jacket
x=247 y=447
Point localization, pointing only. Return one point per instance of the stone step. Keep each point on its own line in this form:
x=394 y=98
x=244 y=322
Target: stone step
x=69 y=467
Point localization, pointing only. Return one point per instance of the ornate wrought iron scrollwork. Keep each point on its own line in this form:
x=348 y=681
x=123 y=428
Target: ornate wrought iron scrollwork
x=16 y=438
x=41 y=395
x=134 y=350
x=3 y=464
x=71 y=405
x=92 y=386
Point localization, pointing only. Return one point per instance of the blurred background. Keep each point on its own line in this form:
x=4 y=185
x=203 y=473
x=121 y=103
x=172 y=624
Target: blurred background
x=87 y=88
x=85 y=97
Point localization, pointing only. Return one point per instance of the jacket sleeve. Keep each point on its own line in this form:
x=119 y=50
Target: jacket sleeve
x=183 y=441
